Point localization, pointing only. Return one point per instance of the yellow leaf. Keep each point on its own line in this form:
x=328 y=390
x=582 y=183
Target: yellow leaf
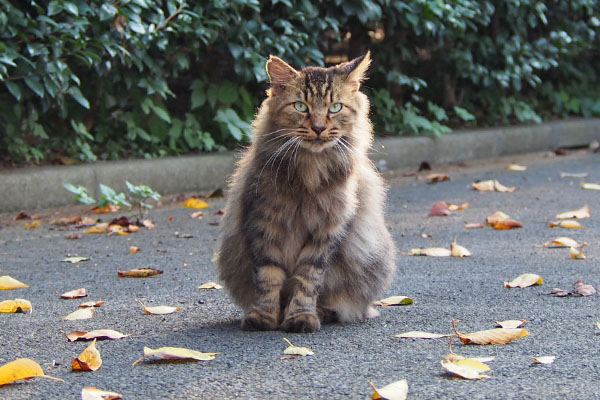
x=507 y=224
x=95 y=334
x=496 y=217
x=577 y=254
x=22 y=368
x=461 y=371
x=394 y=391
x=74 y=260
x=176 y=353
x=457 y=250
x=523 y=281
x=88 y=360
x=74 y=294
x=394 y=301
x=484 y=186
x=473 y=364
x=92 y=393
x=583 y=212
x=82 y=313
x=210 y=285
x=566 y=224
x=516 y=167
x=493 y=336
x=431 y=252
x=420 y=335
x=544 y=360
x=133 y=249
x=9 y=283
x=98 y=228
x=561 y=242
x=159 y=310
x=194 y=202
x=511 y=323
x=33 y=225
x=295 y=350
x=590 y=186
x=15 y=306
x=139 y=272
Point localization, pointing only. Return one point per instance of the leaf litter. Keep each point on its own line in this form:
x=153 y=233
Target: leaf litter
x=175 y=353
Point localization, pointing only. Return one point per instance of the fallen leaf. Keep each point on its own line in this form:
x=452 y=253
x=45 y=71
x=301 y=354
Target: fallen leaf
x=496 y=217
x=88 y=360
x=420 y=335
x=457 y=250
x=183 y=235
x=491 y=336
x=583 y=289
x=544 y=360
x=148 y=224
x=573 y=174
x=22 y=368
x=117 y=230
x=560 y=292
x=74 y=294
x=21 y=215
x=92 y=393
x=435 y=178
x=73 y=236
x=8 y=283
x=210 y=285
x=74 y=260
x=67 y=220
x=511 y=323
x=454 y=207
x=394 y=391
x=133 y=228
x=394 y=301
x=506 y=224
x=220 y=211
x=175 y=353
x=577 y=253
x=139 y=272
x=523 y=281
x=197 y=214
x=215 y=193
x=473 y=226
x=515 y=167
x=133 y=249
x=95 y=334
x=569 y=224
x=598 y=324
x=590 y=186
x=492 y=185
x=15 y=306
x=101 y=227
x=194 y=202
x=33 y=225
x=501 y=188
x=562 y=241
x=583 y=212
x=91 y=304
x=82 y=313
x=109 y=208
x=439 y=209
x=295 y=350
x=159 y=310
x=431 y=252
x=462 y=371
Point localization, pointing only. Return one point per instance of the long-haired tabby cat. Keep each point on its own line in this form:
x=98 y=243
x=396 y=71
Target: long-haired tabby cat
x=303 y=238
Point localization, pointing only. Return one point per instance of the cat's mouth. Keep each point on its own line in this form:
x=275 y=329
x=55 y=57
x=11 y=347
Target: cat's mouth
x=318 y=144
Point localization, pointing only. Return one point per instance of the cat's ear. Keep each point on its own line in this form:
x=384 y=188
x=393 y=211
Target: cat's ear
x=356 y=70
x=280 y=74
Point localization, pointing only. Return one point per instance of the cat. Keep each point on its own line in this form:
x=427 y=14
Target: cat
x=303 y=239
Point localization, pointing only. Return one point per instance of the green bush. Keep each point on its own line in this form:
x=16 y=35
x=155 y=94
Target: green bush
x=141 y=78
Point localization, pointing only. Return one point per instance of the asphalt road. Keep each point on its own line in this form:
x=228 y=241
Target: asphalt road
x=346 y=356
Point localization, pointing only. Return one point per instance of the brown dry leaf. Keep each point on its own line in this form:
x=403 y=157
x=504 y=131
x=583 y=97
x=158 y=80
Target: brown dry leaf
x=210 y=285
x=22 y=368
x=82 y=313
x=484 y=186
x=133 y=249
x=394 y=391
x=101 y=227
x=8 y=283
x=506 y=224
x=74 y=294
x=194 y=202
x=15 y=306
x=462 y=371
x=544 y=360
x=21 y=215
x=562 y=241
x=496 y=217
x=511 y=323
x=583 y=212
x=91 y=304
x=515 y=167
x=491 y=336
x=75 y=260
x=73 y=236
x=577 y=253
x=139 y=272
x=590 y=186
x=456 y=250
x=569 y=224
x=109 y=208
x=33 y=225
x=95 y=334
x=158 y=310
x=431 y=252
x=88 y=360
x=523 y=281
x=476 y=225
x=296 y=350
x=66 y=220
x=560 y=292
x=439 y=209
x=420 y=335
x=220 y=211
x=394 y=301
x=435 y=178
x=92 y=393
x=175 y=353
x=583 y=289
x=197 y=214
x=455 y=207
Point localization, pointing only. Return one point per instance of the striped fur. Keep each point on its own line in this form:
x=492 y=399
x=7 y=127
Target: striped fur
x=303 y=239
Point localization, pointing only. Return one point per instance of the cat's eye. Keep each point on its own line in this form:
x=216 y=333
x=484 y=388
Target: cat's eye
x=300 y=106
x=336 y=107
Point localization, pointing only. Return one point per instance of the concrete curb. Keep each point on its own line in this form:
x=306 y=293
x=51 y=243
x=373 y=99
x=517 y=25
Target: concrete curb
x=41 y=187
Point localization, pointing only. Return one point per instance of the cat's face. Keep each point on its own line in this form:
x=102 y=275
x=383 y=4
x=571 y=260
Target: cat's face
x=315 y=106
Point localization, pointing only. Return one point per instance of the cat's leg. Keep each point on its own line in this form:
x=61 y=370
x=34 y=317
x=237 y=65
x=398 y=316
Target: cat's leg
x=300 y=314
x=264 y=314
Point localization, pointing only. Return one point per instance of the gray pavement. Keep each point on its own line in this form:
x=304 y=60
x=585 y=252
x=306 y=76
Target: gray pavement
x=346 y=356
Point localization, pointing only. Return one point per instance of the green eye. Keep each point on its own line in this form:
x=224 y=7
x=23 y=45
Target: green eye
x=336 y=107
x=300 y=106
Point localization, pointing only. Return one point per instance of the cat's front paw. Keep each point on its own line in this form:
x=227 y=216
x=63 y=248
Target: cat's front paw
x=302 y=323
x=255 y=320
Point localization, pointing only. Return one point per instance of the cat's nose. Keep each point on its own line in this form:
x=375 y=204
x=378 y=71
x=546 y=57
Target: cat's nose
x=318 y=129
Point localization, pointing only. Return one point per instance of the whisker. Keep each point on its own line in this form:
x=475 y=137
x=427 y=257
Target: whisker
x=345 y=161
x=293 y=160
x=293 y=142
x=273 y=157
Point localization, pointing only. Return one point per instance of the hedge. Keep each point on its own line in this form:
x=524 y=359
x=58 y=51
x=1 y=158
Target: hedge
x=88 y=80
